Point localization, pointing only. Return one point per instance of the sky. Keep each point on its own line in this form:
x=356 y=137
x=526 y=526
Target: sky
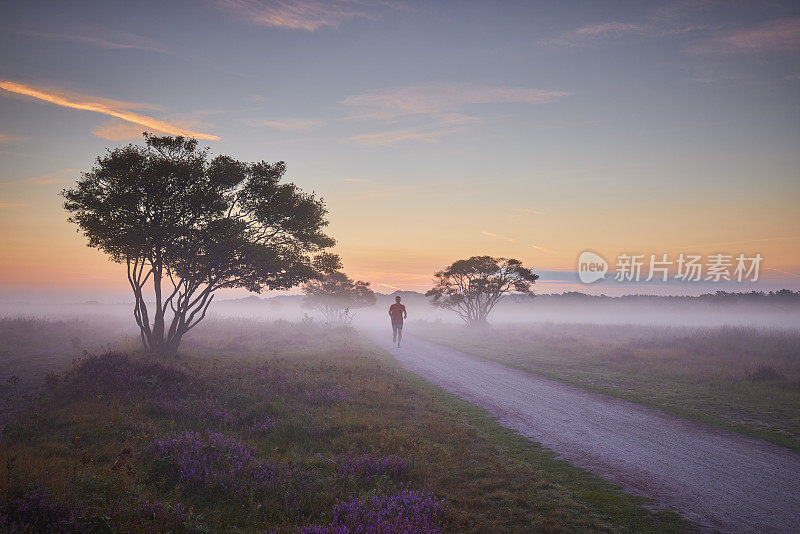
x=434 y=131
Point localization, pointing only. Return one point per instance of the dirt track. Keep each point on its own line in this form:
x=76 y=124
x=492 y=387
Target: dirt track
x=717 y=478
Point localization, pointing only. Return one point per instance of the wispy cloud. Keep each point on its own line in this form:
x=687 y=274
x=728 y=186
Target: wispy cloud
x=360 y=180
x=682 y=11
x=441 y=100
x=402 y=276
x=498 y=236
x=439 y=107
x=542 y=249
x=56 y=177
x=113 y=108
x=588 y=34
x=307 y=15
x=390 y=287
x=289 y=124
x=394 y=137
x=120 y=41
x=782 y=271
x=8 y=138
x=769 y=37
x=117 y=130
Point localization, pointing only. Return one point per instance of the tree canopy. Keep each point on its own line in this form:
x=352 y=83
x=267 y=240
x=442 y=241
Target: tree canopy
x=190 y=225
x=472 y=287
x=335 y=294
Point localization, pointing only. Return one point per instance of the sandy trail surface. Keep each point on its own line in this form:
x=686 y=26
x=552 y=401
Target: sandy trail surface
x=717 y=478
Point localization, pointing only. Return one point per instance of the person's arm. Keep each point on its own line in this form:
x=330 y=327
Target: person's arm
x=405 y=315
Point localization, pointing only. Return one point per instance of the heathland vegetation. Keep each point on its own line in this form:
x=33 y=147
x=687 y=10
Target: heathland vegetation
x=286 y=427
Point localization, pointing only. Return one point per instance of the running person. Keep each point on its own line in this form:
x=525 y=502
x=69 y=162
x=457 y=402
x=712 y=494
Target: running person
x=397 y=312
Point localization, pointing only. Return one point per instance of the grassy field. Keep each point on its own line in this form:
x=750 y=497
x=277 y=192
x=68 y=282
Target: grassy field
x=282 y=427
x=739 y=378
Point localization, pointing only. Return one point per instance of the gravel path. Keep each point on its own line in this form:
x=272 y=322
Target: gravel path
x=719 y=479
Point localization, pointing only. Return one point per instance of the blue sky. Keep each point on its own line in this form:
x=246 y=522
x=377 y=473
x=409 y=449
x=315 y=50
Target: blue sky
x=434 y=130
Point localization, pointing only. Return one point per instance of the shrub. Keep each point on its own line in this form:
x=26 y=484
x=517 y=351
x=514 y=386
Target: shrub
x=764 y=373
x=118 y=376
x=205 y=461
x=37 y=511
x=401 y=512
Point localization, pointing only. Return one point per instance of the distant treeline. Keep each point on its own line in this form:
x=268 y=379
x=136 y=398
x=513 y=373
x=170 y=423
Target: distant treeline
x=770 y=297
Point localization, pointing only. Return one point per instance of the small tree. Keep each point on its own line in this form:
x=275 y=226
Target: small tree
x=190 y=226
x=473 y=287
x=335 y=294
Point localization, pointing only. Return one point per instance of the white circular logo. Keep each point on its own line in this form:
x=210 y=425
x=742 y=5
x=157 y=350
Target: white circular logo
x=591 y=267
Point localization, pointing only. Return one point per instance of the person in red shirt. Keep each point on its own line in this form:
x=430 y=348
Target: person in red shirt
x=397 y=312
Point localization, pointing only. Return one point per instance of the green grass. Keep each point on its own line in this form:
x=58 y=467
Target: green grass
x=73 y=443
x=741 y=379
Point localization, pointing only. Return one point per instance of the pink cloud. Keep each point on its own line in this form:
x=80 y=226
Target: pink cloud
x=56 y=177
x=594 y=32
x=309 y=15
x=291 y=124
x=498 y=236
x=769 y=37
x=120 y=41
x=441 y=100
x=394 y=137
x=115 y=130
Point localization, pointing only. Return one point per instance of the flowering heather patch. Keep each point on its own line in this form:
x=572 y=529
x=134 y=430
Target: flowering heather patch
x=118 y=376
x=402 y=512
x=368 y=466
x=37 y=511
x=216 y=463
x=205 y=460
x=263 y=425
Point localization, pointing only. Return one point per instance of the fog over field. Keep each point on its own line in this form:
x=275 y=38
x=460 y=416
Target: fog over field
x=776 y=310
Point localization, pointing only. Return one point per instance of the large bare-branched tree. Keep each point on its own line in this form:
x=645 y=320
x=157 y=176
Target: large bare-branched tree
x=473 y=287
x=335 y=295
x=187 y=225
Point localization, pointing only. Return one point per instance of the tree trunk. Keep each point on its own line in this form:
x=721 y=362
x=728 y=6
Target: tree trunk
x=158 y=340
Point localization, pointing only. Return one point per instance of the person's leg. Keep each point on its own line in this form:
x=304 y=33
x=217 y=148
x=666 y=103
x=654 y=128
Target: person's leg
x=399 y=334
x=394 y=332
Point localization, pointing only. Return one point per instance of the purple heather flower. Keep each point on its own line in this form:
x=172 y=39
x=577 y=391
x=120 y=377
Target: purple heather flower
x=401 y=512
